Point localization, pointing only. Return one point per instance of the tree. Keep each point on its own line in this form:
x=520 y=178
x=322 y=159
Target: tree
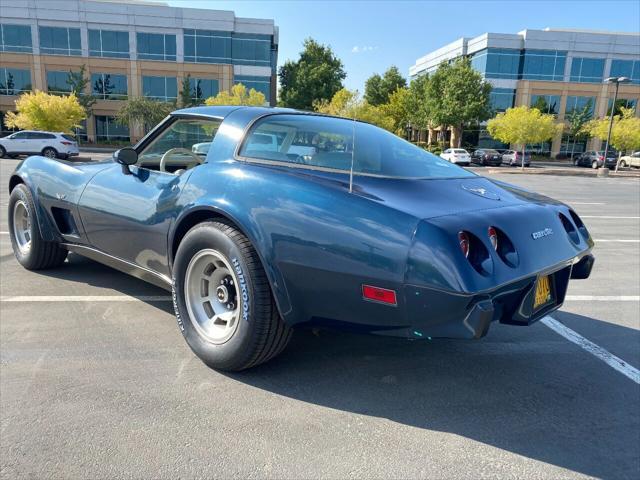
x=143 y=112
x=238 y=96
x=378 y=89
x=523 y=125
x=625 y=131
x=576 y=120
x=316 y=76
x=348 y=104
x=398 y=110
x=78 y=82
x=418 y=115
x=187 y=97
x=457 y=95
x=42 y=111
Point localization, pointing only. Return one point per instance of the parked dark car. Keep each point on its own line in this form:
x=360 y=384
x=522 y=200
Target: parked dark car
x=595 y=159
x=486 y=157
x=514 y=158
x=289 y=220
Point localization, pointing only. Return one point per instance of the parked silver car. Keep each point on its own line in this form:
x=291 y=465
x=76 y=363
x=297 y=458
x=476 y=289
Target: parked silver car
x=47 y=144
x=514 y=158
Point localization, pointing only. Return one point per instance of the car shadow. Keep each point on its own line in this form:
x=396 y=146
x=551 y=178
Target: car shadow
x=523 y=390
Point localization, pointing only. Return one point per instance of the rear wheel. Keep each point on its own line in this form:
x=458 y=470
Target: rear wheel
x=30 y=249
x=50 y=152
x=594 y=164
x=3 y=152
x=223 y=300
x=623 y=164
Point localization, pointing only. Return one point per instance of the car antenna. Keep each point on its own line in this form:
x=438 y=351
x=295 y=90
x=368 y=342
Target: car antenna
x=353 y=152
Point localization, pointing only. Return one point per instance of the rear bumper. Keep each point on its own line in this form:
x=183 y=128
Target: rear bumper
x=435 y=313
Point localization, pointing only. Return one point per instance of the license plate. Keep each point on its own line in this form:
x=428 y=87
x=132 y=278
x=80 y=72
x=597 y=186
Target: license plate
x=544 y=292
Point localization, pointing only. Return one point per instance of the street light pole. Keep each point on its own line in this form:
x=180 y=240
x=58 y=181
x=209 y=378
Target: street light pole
x=617 y=81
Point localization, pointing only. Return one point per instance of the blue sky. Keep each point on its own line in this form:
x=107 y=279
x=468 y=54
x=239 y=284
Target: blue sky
x=370 y=36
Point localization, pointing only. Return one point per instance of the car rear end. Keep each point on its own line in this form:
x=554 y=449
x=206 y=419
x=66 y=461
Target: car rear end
x=460 y=156
x=516 y=159
x=492 y=158
x=66 y=145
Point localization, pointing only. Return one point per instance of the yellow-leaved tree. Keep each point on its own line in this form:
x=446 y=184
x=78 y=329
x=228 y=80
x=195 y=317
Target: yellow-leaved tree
x=523 y=125
x=625 y=131
x=238 y=96
x=348 y=104
x=42 y=111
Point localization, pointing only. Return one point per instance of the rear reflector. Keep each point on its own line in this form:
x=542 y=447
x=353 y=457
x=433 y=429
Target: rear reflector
x=463 y=239
x=66 y=143
x=378 y=294
x=493 y=238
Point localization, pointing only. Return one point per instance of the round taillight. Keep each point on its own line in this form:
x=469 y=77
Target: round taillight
x=493 y=238
x=463 y=239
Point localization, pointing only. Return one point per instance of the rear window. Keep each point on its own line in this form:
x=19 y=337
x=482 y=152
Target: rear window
x=68 y=137
x=459 y=150
x=334 y=144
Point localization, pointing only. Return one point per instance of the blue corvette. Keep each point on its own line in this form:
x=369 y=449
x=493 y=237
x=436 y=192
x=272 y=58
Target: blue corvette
x=261 y=220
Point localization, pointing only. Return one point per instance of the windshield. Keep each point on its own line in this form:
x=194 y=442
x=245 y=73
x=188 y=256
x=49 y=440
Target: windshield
x=329 y=143
x=459 y=150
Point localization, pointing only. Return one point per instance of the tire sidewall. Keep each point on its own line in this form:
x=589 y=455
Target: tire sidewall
x=3 y=151
x=22 y=193
x=235 y=350
x=55 y=152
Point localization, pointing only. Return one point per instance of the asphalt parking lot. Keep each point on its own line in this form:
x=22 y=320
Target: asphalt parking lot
x=97 y=382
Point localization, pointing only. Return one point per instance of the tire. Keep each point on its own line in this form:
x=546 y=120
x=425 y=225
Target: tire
x=594 y=165
x=30 y=249
x=257 y=333
x=3 y=152
x=623 y=164
x=49 y=152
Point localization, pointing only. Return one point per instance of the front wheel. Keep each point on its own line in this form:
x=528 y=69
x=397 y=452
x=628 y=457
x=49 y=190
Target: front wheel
x=30 y=249
x=223 y=301
x=594 y=164
x=3 y=152
x=50 y=152
x=623 y=164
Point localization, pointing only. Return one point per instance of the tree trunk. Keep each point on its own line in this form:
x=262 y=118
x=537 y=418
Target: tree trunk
x=524 y=145
x=618 y=162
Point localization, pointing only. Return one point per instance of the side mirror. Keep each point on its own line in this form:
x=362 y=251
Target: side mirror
x=126 y=157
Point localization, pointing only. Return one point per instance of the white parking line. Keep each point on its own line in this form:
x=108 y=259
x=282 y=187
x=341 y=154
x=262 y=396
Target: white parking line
x=609 y=217
x=4 y=233
x=595 y=350
x=583 y=203
x=602 y=298
x=618 y=240
x=86 y=298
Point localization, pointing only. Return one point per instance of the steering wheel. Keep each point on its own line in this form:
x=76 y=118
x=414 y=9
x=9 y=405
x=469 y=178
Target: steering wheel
x=163 y=161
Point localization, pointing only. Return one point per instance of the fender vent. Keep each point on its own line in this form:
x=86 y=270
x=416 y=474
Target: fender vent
x=64 y=221
x=570 y=229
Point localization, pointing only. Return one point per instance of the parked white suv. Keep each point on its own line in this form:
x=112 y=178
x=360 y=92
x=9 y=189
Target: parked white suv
x=29 y=142
x=456 y=155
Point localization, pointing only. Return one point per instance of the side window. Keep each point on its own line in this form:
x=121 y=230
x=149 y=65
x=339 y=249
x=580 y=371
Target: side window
x=448 y=150
x=20 y=135
x=184 y=144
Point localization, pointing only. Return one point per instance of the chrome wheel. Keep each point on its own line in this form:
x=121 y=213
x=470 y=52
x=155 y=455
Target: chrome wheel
x=211 y=296
x=49 y=153
x=22 y=226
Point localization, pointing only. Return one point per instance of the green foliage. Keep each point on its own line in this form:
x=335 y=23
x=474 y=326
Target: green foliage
x=78 y=83
x=625 y=131
x=575 y=122
x=144 y=112
x=523 y=125
x=378 y=89
x=416 y=103
x=185 y=96
x=456 y=95
x=315 y=77
x=398 y=110
x=238 y=96
x=348 y=104
x=42 y=111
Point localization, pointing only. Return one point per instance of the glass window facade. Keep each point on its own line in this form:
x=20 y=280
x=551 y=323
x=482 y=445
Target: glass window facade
x=108 y=43
x=587 y=70
x=546 y=103
x=260 y=84
x=621 y=103
x=156 y=46
x=251 y=49
x=544 y=65
x=626 y=68
x=15 y=38
x=109 y=86
x=497 y=63
x=60 y=41
x=502 y=98
x=203 y=88
x=57 y=82
x=579 y=103
x=160 y=88
x=571 y=146
x=14 y=81
x=207 y=46
x=107 y=130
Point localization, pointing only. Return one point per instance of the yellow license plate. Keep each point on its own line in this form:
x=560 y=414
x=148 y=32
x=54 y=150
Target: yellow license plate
x=544 y=294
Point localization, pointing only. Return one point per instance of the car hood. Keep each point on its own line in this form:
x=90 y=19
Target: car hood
x=430 y=198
